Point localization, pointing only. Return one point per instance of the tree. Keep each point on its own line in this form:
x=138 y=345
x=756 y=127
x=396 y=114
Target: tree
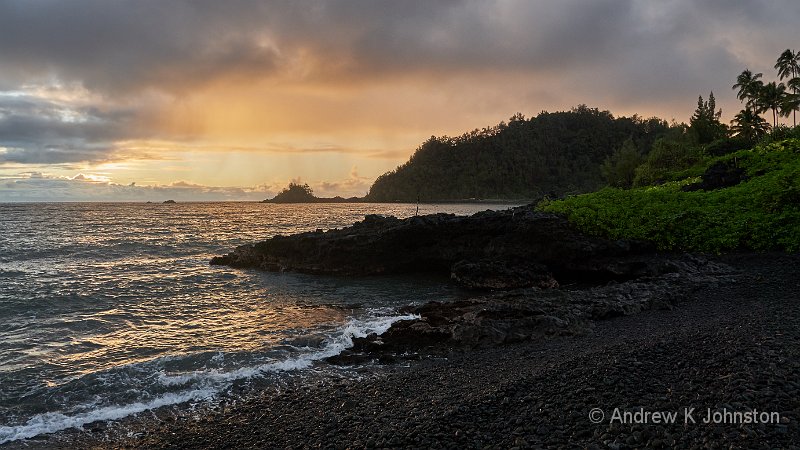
x=749 y=86
x=749 y=125
x=772 y=97
x=794 y=84
x=704 y=124
x=793 y=100
x=552 y=153
x=788 y=66
x=790 y=104
x=667 y=156
x=295 y=193
x=619 y=169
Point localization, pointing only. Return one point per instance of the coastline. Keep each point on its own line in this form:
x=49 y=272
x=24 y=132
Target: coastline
x=468 y=201
x=735 y=347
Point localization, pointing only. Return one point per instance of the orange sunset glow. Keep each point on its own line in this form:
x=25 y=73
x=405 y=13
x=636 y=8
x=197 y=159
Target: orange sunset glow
x=208 y=103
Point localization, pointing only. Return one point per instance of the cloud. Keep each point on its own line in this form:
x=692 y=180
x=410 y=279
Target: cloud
x=354 y=185
x=85 y=80
x=175 y=45
x=41 y=128
x=39 y=186
x=36 y=186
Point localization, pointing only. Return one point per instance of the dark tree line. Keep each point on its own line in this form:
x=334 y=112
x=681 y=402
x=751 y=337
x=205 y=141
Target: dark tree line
x=583 y=149
x=550 y=154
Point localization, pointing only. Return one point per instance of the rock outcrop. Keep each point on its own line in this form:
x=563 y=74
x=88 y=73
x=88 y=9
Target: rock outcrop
x=520 y=256
x=490 y=250
x=721 y=174
x=529 y=314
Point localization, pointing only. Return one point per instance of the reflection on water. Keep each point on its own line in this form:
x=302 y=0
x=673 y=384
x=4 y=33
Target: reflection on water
x=102 y=304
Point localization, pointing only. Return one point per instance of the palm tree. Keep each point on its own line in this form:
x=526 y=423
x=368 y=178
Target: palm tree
x=794 y=84
x=749 y=125
x=793 y=102
x=788 y=66
x=772 y=97
x=790 y=104
x=749 y=86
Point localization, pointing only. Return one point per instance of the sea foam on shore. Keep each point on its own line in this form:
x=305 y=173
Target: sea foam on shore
x=200 y=385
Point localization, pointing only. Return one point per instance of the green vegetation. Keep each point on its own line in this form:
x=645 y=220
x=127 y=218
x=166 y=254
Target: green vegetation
x=563 y=153
x=550 y=154
x=619 y=169
x=705 y=124
x=709 y=187
x=666 y=157
x=704 y=186
x=760 y=213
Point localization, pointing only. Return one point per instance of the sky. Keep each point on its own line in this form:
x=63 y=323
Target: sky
x=210 y=100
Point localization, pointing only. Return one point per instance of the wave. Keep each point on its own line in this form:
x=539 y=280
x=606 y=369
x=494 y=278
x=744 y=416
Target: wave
x=331 y=347
x=55 y=421
x=205 y=384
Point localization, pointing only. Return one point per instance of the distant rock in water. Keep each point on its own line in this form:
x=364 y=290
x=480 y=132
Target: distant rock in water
x=490 y=250
x=169 y=201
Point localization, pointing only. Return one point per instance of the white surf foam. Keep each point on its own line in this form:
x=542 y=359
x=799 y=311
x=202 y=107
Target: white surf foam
x=54 y=421
x=208 y=384
x=333 y=346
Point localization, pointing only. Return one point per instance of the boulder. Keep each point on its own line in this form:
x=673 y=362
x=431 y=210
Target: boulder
x=720 y=175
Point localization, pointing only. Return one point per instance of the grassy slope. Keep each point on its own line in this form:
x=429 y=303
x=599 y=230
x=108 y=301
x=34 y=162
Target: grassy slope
x=762 y=213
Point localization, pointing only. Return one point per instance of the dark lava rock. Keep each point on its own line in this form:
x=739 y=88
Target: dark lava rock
x=502 y=275
x=720 y=175
x=533 y=313
x=434 y=243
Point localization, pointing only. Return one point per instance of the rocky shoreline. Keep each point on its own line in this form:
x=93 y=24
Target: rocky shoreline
x=515 y=260
x=734 y=346
x=518 y=315
x=560 y=325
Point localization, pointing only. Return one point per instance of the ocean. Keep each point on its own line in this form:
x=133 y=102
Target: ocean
x=111 y=309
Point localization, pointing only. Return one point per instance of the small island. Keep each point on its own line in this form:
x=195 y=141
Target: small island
x=302 y=193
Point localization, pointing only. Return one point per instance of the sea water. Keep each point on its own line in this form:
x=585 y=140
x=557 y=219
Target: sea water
x=111 y=309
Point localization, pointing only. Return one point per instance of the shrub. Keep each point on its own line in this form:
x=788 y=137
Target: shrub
x=667 y=156
x=762 y=213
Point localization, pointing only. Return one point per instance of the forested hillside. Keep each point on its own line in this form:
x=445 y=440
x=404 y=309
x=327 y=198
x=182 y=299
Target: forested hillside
x=550 y=154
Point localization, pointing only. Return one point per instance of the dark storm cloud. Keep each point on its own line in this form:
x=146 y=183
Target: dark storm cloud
x=115 y=46
x=38 y=131
x=627 y=52
x=121 y=45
